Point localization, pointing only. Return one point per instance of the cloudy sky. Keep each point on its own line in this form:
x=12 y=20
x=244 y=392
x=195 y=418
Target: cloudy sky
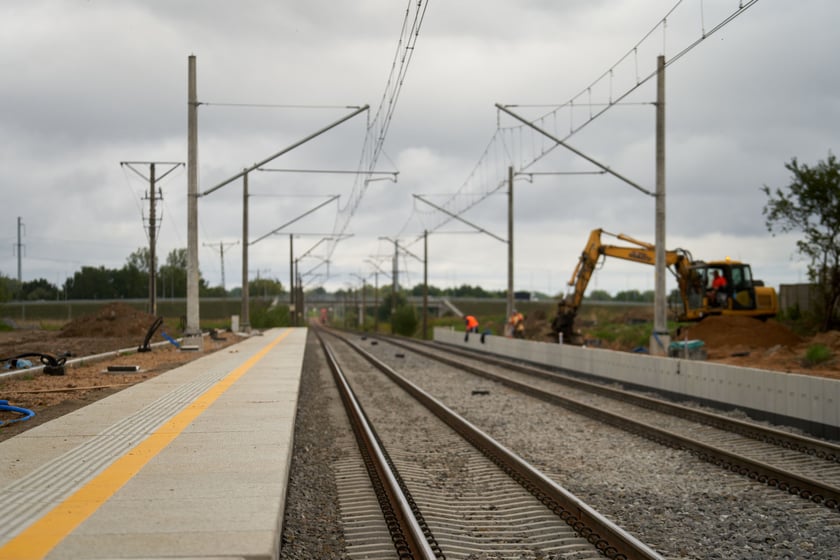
x=90 y=84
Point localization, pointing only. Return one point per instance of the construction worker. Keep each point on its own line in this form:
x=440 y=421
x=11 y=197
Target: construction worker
x=516 y=325
x=471 y=325
x=717 y=293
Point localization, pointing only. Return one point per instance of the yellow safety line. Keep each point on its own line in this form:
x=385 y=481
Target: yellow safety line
x=37 y=540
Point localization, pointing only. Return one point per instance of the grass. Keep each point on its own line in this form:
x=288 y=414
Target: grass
x=624 y=335
x=817 y=354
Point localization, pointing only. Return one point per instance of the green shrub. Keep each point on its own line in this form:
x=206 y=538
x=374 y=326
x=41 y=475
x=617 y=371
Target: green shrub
x=405 y=321
x=817 y=354
x=268 y=318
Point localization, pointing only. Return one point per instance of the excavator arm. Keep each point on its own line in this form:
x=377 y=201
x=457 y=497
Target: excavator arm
x=593 y=252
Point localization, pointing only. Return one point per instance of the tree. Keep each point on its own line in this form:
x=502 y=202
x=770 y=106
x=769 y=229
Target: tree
x=8 y=287
x=265 y=287
x=139 y=260
x=630 y=295
x=600 y=295
x=91 y=283
x=405 y=320
x=811 y=204
x=173 y=274
x=39 y=289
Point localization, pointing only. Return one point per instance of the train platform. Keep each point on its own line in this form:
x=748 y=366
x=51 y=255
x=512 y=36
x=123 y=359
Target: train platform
x=191 y=464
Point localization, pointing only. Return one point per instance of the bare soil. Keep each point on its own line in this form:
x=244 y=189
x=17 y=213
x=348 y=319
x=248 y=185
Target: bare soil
x=115 y=327
x=767 y=344
x=732 y=340
x=739 y=341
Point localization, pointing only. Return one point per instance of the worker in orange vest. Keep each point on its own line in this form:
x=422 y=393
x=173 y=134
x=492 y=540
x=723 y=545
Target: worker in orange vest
x=471 y=326
x=517 y=324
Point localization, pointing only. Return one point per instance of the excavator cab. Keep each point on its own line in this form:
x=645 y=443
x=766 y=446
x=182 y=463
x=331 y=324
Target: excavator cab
x=740 y=294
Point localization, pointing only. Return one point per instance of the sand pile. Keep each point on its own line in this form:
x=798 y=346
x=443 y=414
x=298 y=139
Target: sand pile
x=727 y=330
x=114 y=320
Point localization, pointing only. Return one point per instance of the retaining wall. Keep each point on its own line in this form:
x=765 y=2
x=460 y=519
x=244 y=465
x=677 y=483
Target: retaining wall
x=806 y=402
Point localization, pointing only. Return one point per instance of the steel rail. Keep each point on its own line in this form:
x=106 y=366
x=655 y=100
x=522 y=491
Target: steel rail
x=793 y=483
x=410 y=540
x=610 y=539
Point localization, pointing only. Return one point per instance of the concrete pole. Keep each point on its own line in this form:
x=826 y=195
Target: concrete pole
x=425 y=284
x=376 y=301
x=152 y=242
x=245 y=320
x=222 y=263
x=510 y=244
x=363 y=314
x=660 y=338
x=292 y=313
x=298 y=297
x=192 y=332
x=19 y=258
x=394 y=284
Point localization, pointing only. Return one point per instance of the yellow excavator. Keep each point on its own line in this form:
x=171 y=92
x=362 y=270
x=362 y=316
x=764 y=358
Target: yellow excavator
x=741 y=295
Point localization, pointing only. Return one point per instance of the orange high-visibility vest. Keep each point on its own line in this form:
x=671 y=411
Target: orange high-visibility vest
x=472 y=322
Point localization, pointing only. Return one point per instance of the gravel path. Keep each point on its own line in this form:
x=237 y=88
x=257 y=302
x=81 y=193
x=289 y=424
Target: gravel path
x=312 y=526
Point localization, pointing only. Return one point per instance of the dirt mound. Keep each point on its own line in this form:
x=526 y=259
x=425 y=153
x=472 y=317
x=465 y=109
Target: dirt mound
x=727 y=330
x=830 y=340
x=114 y=320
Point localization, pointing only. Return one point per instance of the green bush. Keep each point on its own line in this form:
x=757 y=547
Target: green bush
x=817 y=354
x=405 y=321
x=268 y=318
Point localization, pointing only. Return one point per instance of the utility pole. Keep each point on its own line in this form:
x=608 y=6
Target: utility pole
x=660 y=340
x=192 y=332
x=363 y=314
x=425 y=284
x=510 y=244
x=222 y=246
x=292 y=296
x=363 y=309
x=245 y=320
x=19 y=247
x=394 y=277
x=153 y=196
x=152 y=242
x=376 y=301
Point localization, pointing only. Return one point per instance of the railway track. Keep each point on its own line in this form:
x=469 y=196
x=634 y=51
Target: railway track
x=680 y=506
x=800 y=465
x=448 y=490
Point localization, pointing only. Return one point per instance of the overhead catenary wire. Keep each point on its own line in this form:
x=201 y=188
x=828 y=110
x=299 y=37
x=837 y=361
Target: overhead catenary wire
x=276 y=105
x=478 y=187
x=377 y=130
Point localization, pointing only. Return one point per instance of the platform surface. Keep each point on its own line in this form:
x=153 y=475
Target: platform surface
x=192 y=464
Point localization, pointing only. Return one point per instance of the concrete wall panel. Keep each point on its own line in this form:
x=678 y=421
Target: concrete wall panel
x=811 y=401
